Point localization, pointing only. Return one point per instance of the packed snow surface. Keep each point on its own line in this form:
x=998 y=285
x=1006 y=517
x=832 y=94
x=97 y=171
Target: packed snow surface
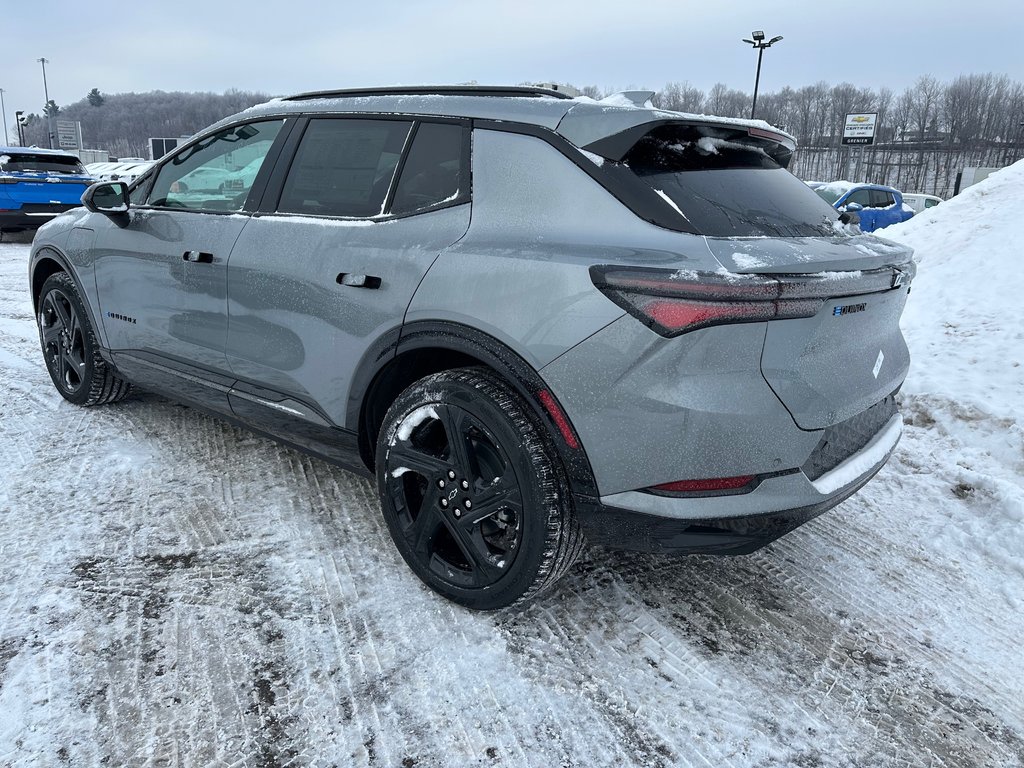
x=176 y=591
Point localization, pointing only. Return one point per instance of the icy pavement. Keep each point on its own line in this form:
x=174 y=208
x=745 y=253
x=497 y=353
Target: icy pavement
x=178 y=592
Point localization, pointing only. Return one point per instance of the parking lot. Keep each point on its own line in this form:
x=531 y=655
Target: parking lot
x=175 y=591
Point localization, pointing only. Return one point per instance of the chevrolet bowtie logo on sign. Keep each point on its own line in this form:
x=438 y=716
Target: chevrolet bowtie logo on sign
x=859 y=128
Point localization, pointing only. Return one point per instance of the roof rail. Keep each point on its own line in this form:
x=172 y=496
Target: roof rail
x=432 y=90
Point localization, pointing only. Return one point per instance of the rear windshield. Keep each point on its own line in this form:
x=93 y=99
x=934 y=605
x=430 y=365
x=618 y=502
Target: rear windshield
x=727 y=187
x=40 y=163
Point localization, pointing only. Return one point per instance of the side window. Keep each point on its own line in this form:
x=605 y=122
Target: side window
x=436 y=171
x=930 y=203
x=217 y=173
x=860 y=196
x=344 y=167
x=882 y=199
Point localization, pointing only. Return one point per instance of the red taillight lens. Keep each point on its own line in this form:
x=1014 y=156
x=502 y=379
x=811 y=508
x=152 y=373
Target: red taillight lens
x=672 y=303
x=740 y=482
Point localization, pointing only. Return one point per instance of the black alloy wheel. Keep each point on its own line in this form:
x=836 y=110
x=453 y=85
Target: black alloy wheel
x=472 y=494
x=70 y=349
x=63 y=341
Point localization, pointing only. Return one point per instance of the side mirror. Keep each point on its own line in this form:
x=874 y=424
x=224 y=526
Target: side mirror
x=849 y=217
x=853 y=207
x=107 y=197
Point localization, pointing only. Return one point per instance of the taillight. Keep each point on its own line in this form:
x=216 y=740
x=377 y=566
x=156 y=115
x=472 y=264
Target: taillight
x=675 y=302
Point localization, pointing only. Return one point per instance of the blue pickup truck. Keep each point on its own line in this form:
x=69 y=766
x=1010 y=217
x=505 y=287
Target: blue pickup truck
x=876 y=205
x=37 y=184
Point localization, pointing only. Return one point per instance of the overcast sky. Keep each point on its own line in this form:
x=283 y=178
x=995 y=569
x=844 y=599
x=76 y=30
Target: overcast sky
x=296 y=45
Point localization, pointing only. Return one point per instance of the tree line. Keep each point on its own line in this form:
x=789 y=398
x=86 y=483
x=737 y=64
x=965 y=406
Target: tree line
x=925 y=134
x=123 y=123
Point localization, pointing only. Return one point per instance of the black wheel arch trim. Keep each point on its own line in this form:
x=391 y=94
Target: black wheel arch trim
x=50 y=252
x=472 y=343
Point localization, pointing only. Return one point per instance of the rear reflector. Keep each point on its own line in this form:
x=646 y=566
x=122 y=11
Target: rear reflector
x=703 y=486
x=559 y=417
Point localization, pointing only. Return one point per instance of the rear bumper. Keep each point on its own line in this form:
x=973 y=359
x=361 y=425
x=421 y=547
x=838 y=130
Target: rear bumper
x=733 y=525
x=31 y=216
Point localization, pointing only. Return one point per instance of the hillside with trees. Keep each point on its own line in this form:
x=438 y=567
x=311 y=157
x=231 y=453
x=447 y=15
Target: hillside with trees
x=926 y=134
x=123 y=123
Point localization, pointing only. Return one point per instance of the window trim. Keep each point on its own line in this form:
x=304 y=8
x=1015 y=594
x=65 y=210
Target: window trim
x=275 y=188
x=259 y=184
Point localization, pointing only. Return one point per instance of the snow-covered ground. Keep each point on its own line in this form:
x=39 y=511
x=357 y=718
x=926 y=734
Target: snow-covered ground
x=175 y=591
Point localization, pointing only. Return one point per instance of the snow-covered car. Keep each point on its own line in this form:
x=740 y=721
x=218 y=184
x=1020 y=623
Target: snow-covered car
x=529 y=317
x=920 y=201
x=119 y=170
x=38 y=184
x=876 y=205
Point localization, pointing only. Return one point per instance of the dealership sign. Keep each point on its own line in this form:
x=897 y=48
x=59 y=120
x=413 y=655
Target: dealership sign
x=860 y=128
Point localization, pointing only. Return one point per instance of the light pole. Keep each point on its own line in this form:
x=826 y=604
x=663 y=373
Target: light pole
x=759 y=43
x=4 y=110
x=46 y=107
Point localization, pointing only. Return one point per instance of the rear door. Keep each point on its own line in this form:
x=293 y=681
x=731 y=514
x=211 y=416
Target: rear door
x=161 y=279
x=349 y=228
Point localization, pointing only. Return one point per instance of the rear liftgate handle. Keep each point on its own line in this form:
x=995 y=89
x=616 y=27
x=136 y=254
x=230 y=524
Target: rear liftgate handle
x=353 y=280
x=198 y=257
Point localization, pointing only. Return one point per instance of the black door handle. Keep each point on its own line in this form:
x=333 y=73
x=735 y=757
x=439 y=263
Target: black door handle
x=352 y=280
x=198 y=257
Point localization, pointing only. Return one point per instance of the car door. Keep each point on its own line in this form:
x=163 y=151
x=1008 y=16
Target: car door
x=161 y=278
x=868 y=216
x=330 y=266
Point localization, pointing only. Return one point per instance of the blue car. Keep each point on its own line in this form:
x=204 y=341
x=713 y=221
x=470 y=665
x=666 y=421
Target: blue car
x=38 y=184
x=876 y=205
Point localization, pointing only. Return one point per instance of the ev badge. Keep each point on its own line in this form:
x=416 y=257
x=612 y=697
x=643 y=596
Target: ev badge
x=897 y=279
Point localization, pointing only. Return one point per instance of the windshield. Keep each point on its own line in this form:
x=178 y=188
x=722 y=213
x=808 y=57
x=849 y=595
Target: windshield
x=30 y=163
x=726 y=186
x=829 y=194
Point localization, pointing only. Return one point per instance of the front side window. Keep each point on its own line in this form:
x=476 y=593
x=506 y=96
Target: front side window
x=344 y=167
x=861 y=197
x=436 y=170
x=216 y=173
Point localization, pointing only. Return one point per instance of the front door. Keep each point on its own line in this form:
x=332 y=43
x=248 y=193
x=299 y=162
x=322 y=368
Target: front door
x=161 y=279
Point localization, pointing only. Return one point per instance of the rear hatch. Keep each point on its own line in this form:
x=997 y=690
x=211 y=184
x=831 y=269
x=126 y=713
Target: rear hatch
x=32 y=178
x=833 y=347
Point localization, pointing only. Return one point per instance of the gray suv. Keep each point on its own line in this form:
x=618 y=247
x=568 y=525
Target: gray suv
x=531 y=318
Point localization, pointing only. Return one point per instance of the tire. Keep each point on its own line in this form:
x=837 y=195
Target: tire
x=473 y=492
x=70 y=349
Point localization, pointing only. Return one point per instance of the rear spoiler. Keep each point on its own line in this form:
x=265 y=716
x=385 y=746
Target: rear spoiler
x=778 y=146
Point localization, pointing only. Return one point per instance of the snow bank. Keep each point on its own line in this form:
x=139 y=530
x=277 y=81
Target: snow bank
x=965 y=391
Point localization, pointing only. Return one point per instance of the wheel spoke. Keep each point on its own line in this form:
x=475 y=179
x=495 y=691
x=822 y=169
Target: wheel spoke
x=73 y=326
x=473 y=547
x=501 y=494
x=51 y=333
x=62 y=368
x=421 y=531
x=456 y=424
x=61 y=311
x=403 y=455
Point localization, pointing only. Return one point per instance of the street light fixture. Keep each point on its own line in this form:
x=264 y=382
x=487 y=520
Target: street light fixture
x=759 y=43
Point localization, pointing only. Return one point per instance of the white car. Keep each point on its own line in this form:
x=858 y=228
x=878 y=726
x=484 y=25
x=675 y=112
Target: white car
x=921 y=202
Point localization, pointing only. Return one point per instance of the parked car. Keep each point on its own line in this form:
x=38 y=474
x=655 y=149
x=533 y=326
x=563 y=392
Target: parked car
x=921 y=202
x=36 y=185
x=531 y=318
x=119 y=170
x=877 y=206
